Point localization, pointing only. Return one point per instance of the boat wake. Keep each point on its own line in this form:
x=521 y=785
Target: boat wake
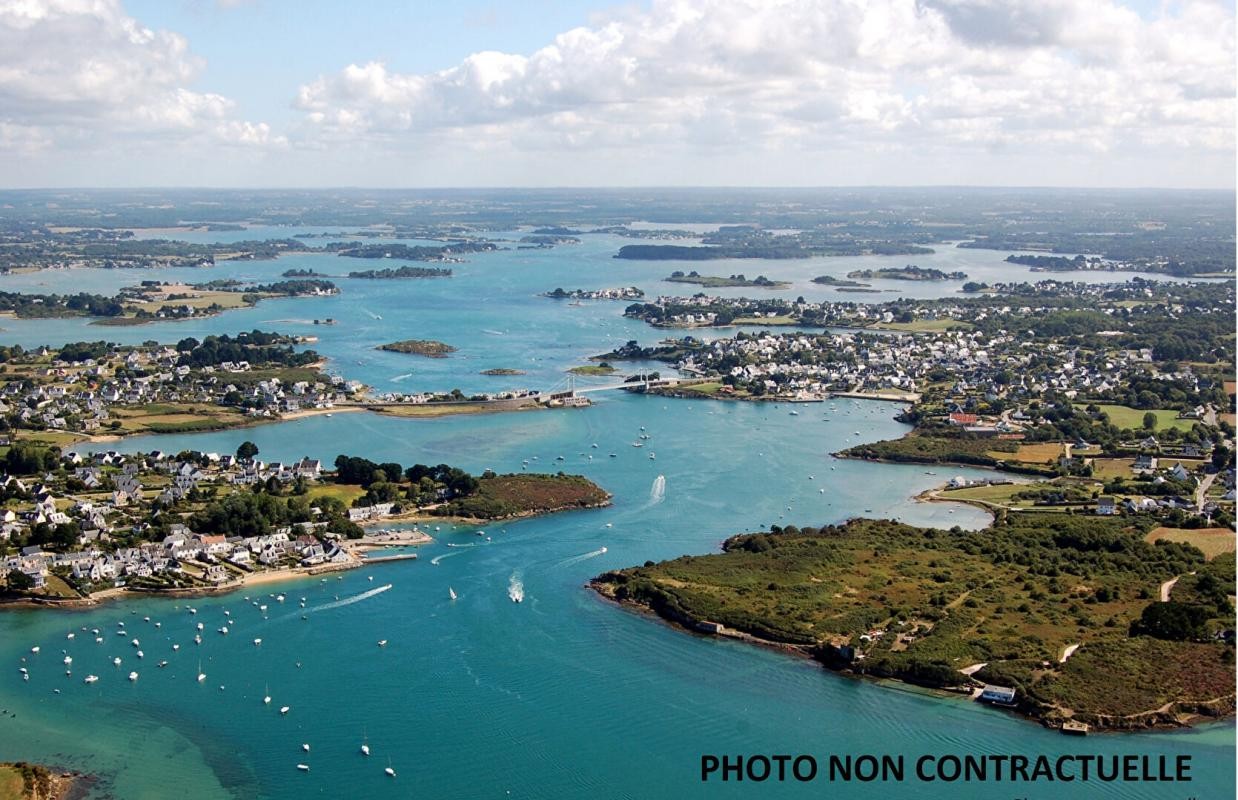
x=657 y=492
x=399 y=378
x=441 y=556
x=492 y=332
x=515 y=588
x=371 y=313
x=347 y=601
x=567 y=562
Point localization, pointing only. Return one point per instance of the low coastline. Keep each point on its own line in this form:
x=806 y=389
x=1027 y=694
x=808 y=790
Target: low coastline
x=1176 y=715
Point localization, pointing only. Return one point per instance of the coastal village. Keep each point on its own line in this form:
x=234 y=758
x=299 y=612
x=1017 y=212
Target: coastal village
x=91 y=518
x=1142 y=431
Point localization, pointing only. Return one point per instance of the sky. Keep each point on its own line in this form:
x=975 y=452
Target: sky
x=418 y=93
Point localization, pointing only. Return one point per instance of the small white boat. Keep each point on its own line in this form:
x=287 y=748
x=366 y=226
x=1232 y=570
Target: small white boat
x=197 y=639
x=23 y=670
x=266 y=695
x=135 y=643
x=90 y=679
x=116 y=661
x=263 y=609
x=224 y=630
x=201 y=674
x=133 y=676
x=34 y=649
x=141 y=654
x=382 y=642
x=451 y=592
x=68 y=660
x=303 y=767
x=257 y=643
x=201 y=626
x=795 y=413
x=163 y=663
x=98 y=640
x=176 y=647
x=193 y=611
x=603 y=549
x=284 y=710
x=71 y=636
x=305 y=747
x=390 y=772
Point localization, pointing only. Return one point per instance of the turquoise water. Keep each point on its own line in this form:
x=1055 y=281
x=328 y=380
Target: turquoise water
x=563 y=695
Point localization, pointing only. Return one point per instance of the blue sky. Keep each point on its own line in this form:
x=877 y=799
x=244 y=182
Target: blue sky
x=259 y=51
x=659 y=92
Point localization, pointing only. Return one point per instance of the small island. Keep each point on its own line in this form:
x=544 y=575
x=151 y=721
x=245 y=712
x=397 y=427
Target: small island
x=502 y=371
x=304 y=273
x=419 y=347
x=401 y=272
x=718 y=282
x=594 y=369
x=908 y=273
x=830 y=280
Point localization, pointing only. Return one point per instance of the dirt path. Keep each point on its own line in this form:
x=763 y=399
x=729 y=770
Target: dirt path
x=1166 y=588
x=1201 y=491
x=1068 y=652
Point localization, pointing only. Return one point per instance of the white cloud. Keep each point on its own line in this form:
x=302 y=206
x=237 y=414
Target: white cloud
x=810 y=75
x=77 y=71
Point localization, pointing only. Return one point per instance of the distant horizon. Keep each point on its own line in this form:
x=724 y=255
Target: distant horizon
x=620 y=187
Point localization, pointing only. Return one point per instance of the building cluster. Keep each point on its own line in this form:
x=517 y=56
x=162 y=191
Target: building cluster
x=113 y=496
x=82 y=396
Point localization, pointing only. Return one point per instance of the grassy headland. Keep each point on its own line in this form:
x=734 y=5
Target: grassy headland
x=878 y=598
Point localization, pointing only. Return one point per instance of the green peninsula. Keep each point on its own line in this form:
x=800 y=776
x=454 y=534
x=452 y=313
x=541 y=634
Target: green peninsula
x=1065 y=609
x=497 y=497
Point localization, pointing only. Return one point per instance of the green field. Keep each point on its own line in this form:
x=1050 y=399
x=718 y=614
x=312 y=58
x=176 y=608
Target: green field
x=779 y=320
x=925 y=325
x=345 y=493
x=1132 y=418
x=12 y=786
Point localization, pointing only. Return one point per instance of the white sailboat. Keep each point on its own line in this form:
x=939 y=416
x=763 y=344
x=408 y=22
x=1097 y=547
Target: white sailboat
x=451 y=592
x=133 y=676
x=266 y=695
x=201 y=674
x=390 y=772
